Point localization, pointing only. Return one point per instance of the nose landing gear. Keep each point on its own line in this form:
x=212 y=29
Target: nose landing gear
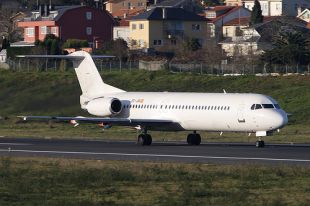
x=260 y=144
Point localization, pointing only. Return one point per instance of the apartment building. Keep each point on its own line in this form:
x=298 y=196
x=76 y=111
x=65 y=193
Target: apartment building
x=166 y=27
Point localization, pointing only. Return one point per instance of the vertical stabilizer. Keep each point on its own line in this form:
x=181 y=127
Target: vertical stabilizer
x=89 y=78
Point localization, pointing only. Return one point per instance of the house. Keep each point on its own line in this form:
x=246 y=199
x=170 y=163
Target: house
x=305 y=15
x=240 y=39
x=217 y=16
x=166 y=27
x=122 y=31
x=113 y=6
x=279 y=7
x=68 y=22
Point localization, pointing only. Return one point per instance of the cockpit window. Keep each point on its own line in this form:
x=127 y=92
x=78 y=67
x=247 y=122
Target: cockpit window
x=253 y=107
x=268 y=106
x=277 y=106
x=258 y=106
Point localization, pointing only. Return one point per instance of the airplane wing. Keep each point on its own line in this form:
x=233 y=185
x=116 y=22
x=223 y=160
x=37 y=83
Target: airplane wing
x=112 y=121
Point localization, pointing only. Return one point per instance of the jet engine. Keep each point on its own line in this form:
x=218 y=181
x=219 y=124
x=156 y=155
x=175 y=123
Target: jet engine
x=104 y=107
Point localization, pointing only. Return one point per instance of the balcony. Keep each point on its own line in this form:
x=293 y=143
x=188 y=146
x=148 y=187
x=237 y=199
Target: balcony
x=173 y=33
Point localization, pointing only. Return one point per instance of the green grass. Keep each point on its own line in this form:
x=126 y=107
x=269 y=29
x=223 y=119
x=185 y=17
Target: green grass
x=36 y=181
x=57 y=93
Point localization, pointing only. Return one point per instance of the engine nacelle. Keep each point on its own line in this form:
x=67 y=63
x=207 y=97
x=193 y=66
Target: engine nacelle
x=104 y=106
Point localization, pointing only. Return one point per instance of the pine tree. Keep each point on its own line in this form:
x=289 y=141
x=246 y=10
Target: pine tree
x=256 y=15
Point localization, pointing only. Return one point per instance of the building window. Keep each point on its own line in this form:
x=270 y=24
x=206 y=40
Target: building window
x=129 y=5
x=133 y=26
x=173 y=42
x=157 y=42
x=88 y=15
x=196 y=27
x=44 y=30
x=141 y=26
x=140 y=3
x=88 y=30
x=30 y=32
x=54 y=30
x=211 y=15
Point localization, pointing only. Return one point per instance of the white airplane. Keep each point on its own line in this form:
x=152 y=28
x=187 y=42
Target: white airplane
x=170 y=111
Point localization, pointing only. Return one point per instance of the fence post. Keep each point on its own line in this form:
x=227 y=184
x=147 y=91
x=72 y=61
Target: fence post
x=110 y=66
x=28 y=65
x=19 y=65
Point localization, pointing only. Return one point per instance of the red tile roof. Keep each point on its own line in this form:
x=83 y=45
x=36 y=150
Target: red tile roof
x=233 y=9
x=129 y=12
x=124 y=22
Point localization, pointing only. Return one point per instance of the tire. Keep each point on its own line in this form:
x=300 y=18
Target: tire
x=141 y=139
x=190 y=139
x=148 y=139
x=260 y=144
x=197 y=139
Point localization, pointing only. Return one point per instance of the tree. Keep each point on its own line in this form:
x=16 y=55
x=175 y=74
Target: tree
x=289 y=48
x=256 y=14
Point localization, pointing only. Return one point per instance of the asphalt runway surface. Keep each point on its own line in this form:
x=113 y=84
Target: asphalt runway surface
x=209 y=153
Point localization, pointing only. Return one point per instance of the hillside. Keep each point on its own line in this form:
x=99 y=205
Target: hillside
x=58 y=93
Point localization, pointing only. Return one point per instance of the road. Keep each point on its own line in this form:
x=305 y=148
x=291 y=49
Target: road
x=212 y=153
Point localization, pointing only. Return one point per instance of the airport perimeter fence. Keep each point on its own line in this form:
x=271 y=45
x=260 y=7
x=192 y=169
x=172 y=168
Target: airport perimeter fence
x=54 y=65
x=104 y=65
x=238 y=69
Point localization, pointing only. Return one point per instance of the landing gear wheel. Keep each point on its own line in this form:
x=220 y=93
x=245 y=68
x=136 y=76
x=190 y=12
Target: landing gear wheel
x=144 y=139
x=260 y=144
x=148 y=139
x=193 y=139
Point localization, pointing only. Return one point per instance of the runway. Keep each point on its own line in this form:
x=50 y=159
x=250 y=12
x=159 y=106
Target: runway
x=209 y=153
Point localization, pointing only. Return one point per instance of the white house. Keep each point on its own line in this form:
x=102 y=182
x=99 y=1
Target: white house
x=122 y=31
x=279 y=7
x=219 y=15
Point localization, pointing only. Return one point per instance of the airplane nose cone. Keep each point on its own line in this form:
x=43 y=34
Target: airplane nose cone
x=280 y=119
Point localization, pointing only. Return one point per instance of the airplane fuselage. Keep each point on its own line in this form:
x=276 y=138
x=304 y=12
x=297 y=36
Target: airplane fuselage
x=204 y=111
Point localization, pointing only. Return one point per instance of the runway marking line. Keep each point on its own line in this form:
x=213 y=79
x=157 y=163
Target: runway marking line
x=157 y=155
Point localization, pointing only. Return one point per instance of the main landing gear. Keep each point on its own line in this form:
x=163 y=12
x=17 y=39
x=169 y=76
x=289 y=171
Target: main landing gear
x=144 y=138
x=194 y=139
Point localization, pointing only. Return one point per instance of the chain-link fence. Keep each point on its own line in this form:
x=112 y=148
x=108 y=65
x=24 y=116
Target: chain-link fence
x=48 y=65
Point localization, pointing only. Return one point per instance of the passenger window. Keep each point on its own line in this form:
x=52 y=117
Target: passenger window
x=253 y=107
x=258 y=106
